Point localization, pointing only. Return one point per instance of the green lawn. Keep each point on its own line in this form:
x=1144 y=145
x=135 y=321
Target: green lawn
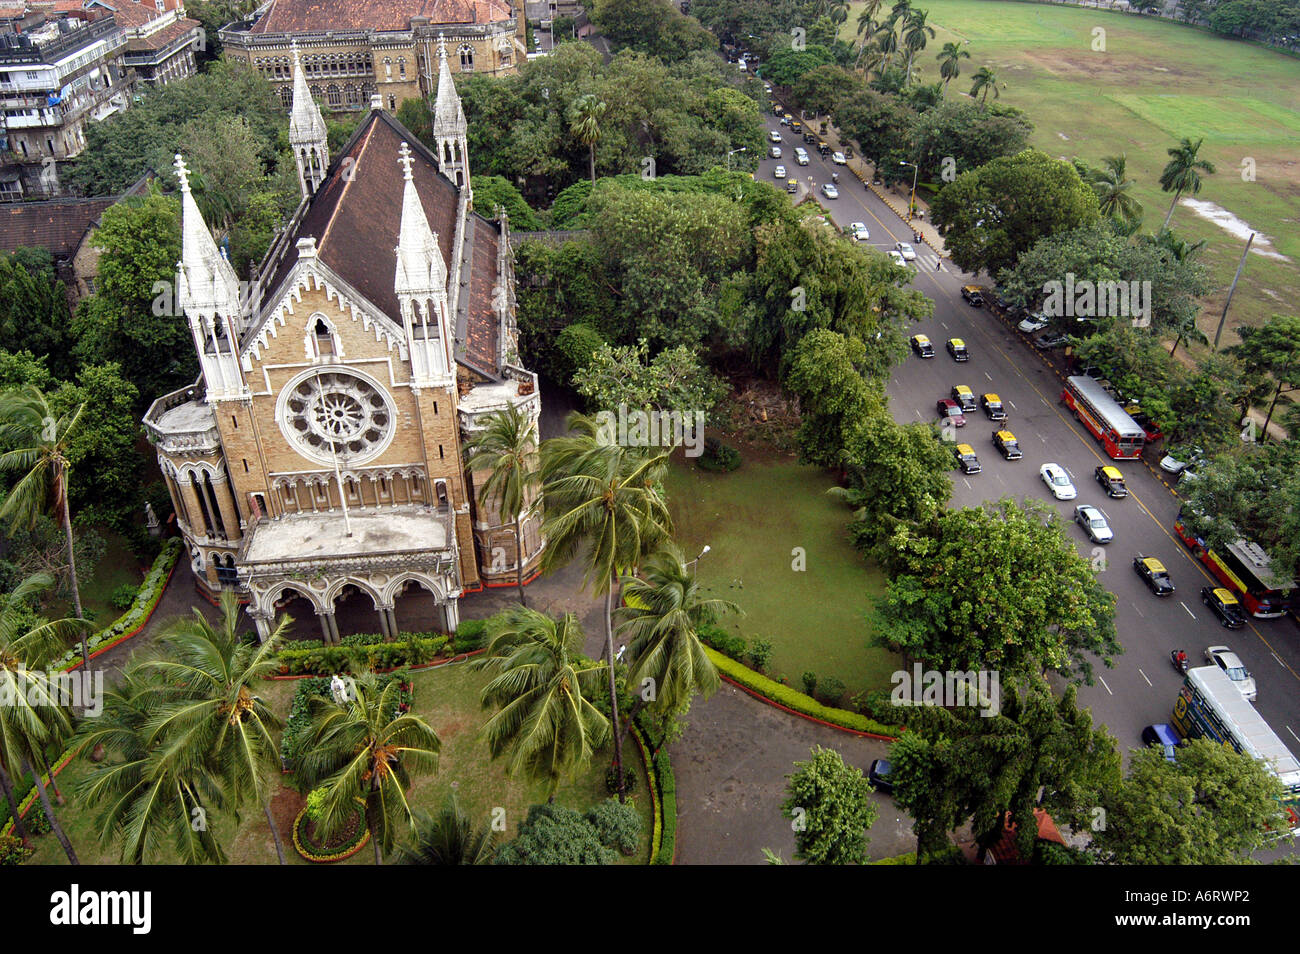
x=118 y=565
x=1155 y=82
x=447 y=697
x=754 y=519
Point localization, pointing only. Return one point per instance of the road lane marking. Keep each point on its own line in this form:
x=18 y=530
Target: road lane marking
x=987 y=375
x=1139 y=612
x=999 y=477
x=916 y=412
x=1012 y=404
x=1144 y=676
x=945 y=324
x=967 y=483
x=1103 y=682
x=1189 y=612
x=1277 y=659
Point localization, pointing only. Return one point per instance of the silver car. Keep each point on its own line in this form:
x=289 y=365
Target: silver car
x=1094 y=523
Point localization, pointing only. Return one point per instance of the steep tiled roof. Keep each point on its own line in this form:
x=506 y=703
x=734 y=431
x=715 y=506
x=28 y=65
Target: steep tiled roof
x=57 y=224
x=164 y=37
x=308 y=16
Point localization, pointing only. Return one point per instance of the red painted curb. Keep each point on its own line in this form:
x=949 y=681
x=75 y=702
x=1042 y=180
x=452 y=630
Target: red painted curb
x=480 y=587
x=804 y=715
x=135 y=632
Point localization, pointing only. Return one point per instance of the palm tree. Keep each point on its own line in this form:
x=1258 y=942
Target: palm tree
x=867 y=26
x=587 y=113
x=886 y=42
x=148 y=804
x=1113 y=188
x=542 y=690
x=366 y=751
x=985 y=81
x=508 y=450
x=1183 y=172
x=1186 y=330
x=448 y=838
x=916 y=33
x=606 y=498
x=211 y=720
x=39 y=443
x=950 y=58
x=662 y=615
x=33 y=713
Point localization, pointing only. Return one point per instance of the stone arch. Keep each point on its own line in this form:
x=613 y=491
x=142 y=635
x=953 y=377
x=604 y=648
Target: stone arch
x=400 y=583
x=265 y=599
x=365 y=586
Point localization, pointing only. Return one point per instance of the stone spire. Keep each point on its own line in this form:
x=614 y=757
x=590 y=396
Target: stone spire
x=421 y=286
x=449 y=126
x=308 y=135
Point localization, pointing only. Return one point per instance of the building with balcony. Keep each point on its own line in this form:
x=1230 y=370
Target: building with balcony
x=352 y=50
x=319 y=460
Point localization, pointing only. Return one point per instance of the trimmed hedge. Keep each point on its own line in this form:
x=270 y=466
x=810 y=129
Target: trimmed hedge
x=146 y=600
x=365 y=652
x=793 y=699
x=470 y=635
x=664 y=788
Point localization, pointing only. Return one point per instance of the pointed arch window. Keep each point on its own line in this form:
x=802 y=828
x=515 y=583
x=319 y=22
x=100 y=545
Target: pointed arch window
x=466 y=57
x=334 y=96
x=323 y=339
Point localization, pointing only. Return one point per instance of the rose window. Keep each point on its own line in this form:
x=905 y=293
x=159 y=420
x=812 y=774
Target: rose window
x=334 y=414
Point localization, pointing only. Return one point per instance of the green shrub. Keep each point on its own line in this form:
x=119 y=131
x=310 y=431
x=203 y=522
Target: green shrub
x=12 y=851
x=830 y=691
x=318 y=659
x=316 y=803
x=718 y=457
x=760 y=654
x=35 y=820
x=791 y=699
x=907 y=859
x=611 y=780
x=668 y=802
x=575 y=346
x=617 y=826
x=470 y=635
x=723 y=642
x=123 y=596
x=809 y=680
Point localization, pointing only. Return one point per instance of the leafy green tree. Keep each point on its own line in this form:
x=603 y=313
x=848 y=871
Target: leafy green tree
x=1183 y=172
x=833 y=395
x=829 y=804
x=492 y=192
x=366 y=751
x=967 y=134
x=655 y=27
x=542 y=688
x=448 y=838
x=988 y=216
x=506 y=448
x=995 y=587
x=674 y=380
x=104 y=443
x=928 y=775
x=1210 y=807
x=34 y=309
x=820 y=90
x=1249 y=493
x=785 y=65
x=881 y=127
x=585 y=126
x=555 y=835
x=1272 y=348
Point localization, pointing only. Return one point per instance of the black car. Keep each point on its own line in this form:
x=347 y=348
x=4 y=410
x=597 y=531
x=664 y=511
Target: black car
x=1006 y=442
x=1224 y=605
x=1111 y=480
x=1154 y=575
x=880 y=775
x=972 y=294
x=809 y=138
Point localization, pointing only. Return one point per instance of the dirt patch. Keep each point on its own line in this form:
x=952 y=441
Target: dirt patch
x=285 y=806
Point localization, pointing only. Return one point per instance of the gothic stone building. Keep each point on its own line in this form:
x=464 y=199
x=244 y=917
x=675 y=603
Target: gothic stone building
x=352 y=50
x=321 y=453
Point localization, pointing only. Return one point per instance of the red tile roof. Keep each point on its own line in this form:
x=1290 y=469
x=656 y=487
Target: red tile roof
x=57 y=224
x=164 y=37
x=309 y=16
x=1004 y=850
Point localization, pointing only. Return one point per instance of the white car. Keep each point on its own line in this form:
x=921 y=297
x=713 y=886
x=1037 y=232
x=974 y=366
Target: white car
x=1094 y=523
x=1058 y=481
x=1171 y=464
x=1032 y=323
x=838 y=158
x=897 y=258
x=774 y=135
x=780 y=172
x=1231 y=663
x=858 y=230
x=830 y=191
x=906 y=251
x=775 y=152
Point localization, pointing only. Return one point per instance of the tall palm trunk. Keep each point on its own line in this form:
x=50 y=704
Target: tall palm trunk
x=54 y=785
x=519 y=560
x=49 y=814
x=1277 y=393
x=592 y=149
x=371 y=818
x=275 y=832
x=62 y=483
x=19 y=825
x=1172 y=205
x=613 y=692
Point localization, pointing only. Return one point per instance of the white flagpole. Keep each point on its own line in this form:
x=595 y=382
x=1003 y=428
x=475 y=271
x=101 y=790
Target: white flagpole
x=338 y=474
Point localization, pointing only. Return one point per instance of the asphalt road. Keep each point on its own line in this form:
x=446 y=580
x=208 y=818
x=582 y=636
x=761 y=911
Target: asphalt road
x=1141 y=687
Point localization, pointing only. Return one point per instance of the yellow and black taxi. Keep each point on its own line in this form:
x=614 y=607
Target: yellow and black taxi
x=1111 y=480
x=965 y=397
x=966 y=459
x=1154 y=575
x=796 y=126
x=1007 y=445
x=922 y=346
x=957 y=348
x=787 y=119
x=992 y=405
x=1224 y=604
x=973 y=294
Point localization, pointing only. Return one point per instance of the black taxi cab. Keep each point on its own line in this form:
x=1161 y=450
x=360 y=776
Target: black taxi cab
x=1154 y=575
x=922 y=346
x=966 y=459
x=992 y=405
x=957 y=348
x=1007 y=445
x=1111 y=480
x=965 y=397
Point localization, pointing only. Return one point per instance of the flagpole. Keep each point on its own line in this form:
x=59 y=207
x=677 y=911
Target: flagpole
x=338 y=474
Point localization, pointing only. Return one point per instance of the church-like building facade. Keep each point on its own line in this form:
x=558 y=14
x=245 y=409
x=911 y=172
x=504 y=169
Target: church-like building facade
x=321 y=454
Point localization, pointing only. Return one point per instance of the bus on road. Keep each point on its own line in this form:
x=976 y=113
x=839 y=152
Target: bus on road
x=1246 y=569
x=1211 y=706
x=1101 y=414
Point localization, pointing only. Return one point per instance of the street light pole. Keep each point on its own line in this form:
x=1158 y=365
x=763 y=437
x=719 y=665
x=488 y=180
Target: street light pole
x=732 y=153
x=911 y=204
x=706 y=549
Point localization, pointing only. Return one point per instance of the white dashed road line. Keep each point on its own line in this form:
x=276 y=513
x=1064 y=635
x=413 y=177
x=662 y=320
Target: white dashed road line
x=1293 y=735
x=1103 y=682
x=1189 y=612
x=1144 y=676
x=1139 y=612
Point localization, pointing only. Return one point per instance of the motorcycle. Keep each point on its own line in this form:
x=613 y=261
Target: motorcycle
x=835 y=177
x=1179 y=664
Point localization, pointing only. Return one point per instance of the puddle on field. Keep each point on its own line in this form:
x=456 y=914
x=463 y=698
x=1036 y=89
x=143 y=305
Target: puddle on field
x=1234 y=226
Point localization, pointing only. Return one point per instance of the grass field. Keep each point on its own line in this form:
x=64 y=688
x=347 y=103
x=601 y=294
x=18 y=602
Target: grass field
x=1155 y=82
x=753 y=519
x=447 y=697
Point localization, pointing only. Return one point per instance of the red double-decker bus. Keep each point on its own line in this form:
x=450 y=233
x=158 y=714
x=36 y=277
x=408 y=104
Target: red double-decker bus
x=1244 y=568
x=1101 y=414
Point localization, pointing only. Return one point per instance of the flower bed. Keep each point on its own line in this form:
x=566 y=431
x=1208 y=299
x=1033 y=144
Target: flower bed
x=297 y=728
x=134 y=619
x=344 y=845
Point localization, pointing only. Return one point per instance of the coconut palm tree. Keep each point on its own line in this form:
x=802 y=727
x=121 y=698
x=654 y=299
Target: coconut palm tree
x=39 y=443
x=867 y=27
x=916 y=33
x=33 y=712
x=1183 y=172
x=148 y=805
x=585 y=126
x=950 y=58
x=211 y=719
x=886 y=41
x=507 y=449
x=542 y=689
x=603 y=499
x=985 y=81
x=1185 y=329
x=1114 y=190
x=662 y=615
x=366 y=751
x=448 y=838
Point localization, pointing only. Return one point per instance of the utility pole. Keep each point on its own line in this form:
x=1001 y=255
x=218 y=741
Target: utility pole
x=1240 y=264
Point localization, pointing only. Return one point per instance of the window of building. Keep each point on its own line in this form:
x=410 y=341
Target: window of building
x=401 y=67
x=324 y=338
x=334 y=96
x=466 y=57
x=392 y=101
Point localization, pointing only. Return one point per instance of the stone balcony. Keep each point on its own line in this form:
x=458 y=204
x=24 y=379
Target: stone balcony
x=182 y=422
